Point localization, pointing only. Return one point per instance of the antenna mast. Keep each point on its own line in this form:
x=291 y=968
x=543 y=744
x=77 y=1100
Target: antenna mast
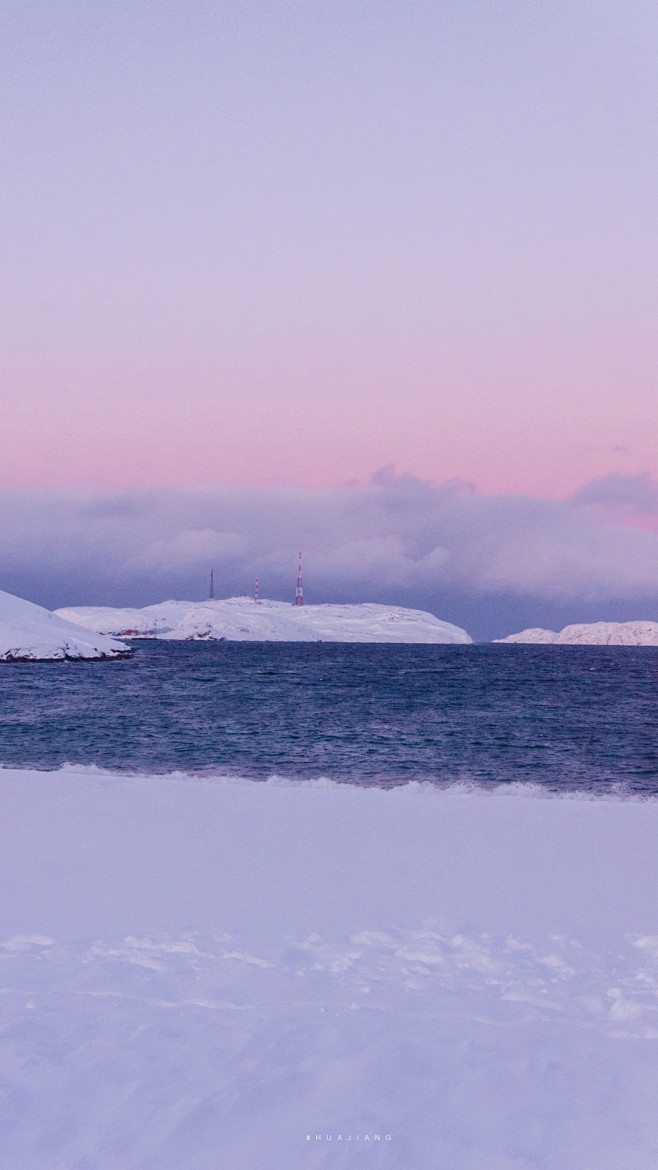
x=211 y=591
x=299 y=591
x=256 y=597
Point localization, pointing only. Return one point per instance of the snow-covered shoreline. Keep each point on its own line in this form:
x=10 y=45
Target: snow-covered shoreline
x=246 y=966
x=30 y=633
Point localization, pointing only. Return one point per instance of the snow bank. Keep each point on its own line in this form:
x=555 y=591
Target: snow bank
x=242 y=619
x=593 y=634
x=199 y=973
x=29 y=632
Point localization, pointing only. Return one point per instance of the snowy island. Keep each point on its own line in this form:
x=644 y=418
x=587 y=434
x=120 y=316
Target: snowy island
x=591 y=634
x=241 y=619
x=30 y=633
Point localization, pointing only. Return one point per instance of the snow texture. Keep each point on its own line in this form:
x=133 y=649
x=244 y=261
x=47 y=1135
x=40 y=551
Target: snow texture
x=29 y=632
x=202 y=973
x=592 y=634
x=242 y=619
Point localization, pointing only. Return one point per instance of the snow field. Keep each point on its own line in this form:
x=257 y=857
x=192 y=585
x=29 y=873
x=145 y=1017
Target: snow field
x=200 y=973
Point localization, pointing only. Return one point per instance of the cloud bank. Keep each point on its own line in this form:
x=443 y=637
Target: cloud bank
x=635 y=494
x=488 y=562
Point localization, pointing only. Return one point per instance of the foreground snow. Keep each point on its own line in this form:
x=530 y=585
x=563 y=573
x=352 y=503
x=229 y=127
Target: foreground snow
x=241 y=619
x=203 y=974
x=30 y=632
x=592 y=634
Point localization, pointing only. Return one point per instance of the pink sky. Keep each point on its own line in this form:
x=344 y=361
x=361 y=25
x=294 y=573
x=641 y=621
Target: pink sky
x=283 y=244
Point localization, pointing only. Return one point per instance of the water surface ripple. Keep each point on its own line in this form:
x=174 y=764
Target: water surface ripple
x=569 y=717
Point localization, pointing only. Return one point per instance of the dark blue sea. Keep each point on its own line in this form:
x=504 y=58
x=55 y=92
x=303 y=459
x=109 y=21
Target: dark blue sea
x=566 y=717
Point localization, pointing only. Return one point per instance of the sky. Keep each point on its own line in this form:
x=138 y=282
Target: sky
x=264 y=250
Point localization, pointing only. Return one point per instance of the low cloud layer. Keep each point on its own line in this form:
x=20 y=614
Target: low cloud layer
x=635 y=494
x=492 y=563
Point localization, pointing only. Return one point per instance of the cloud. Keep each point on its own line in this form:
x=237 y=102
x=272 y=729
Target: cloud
x=192 y=548
x=397 y=539
x=377 y=559
x=633 y=493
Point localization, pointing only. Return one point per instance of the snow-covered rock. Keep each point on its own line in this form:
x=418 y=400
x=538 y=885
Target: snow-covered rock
x=243 y=620
x=592 y=634
x=29 y=632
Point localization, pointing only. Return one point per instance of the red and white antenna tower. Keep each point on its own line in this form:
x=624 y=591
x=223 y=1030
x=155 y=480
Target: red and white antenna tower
x=299 y=591
x=256 y=597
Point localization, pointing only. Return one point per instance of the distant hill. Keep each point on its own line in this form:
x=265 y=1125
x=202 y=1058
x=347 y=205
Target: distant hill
x=241 y=619
x=592 y=634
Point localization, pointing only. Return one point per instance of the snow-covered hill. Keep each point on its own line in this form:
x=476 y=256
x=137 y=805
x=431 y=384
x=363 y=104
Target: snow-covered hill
x=592 y=634
x=242 y=619
x=29 y=632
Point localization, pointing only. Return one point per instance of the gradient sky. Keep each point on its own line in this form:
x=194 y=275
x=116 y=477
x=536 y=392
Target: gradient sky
x=278 y=242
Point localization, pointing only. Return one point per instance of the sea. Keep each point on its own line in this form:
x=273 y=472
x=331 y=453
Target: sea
x=566 y=718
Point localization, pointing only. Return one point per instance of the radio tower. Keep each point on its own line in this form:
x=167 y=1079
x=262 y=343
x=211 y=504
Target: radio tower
x=211 y=591
x=256 y=597
x=299 y=591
